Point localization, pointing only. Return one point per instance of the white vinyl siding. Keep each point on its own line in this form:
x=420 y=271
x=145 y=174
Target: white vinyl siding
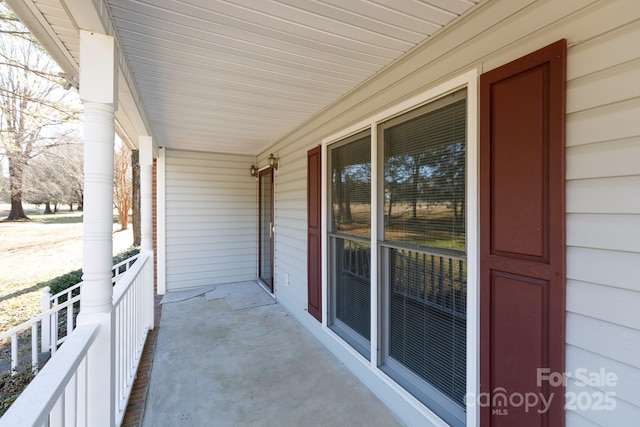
x=290 y=183
x=603 y=218
x=211 y=223
x=603 y=171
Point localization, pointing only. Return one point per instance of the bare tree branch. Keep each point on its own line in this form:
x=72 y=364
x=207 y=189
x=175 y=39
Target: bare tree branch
x=122 y=186
x=34 y=108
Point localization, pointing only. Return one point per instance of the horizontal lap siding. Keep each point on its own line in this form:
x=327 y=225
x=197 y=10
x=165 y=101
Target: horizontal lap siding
x=603 y=218
x=291 y=223
x=210 y=219
x=603 y=167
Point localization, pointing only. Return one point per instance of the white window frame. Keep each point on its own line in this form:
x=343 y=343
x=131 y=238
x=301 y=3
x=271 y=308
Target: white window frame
x=386 y=361
x=330 y=318
x=468 y=80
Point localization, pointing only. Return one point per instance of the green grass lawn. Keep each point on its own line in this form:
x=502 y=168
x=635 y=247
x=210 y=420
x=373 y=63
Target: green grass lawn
x=33 y=252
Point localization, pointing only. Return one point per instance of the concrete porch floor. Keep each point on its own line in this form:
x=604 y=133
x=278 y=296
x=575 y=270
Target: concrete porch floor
x=215 y=366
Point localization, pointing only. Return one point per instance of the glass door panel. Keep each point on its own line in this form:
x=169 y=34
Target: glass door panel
x=265 y=233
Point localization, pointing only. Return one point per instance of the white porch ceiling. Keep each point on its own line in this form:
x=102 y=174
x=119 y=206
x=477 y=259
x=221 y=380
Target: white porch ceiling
x=237 y=75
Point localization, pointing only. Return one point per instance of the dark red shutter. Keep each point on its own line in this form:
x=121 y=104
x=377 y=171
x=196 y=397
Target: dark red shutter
x=522 y=238
x=314 y=222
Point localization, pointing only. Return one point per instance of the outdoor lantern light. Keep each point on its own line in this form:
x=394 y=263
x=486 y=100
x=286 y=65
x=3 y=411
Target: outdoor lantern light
x=273 y=161
x=253 y=170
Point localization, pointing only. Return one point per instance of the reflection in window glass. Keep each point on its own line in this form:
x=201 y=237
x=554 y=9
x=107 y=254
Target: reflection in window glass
x=351 y=187
x=424 y=179
x=352 y=293
x=424 y=236
x=350 y=259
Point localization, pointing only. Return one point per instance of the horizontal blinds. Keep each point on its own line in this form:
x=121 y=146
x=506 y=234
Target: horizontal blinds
x=350 y=197
x=424 y=175
x=353 y=285
x=427 y=322
x=351 y=186
x=424 y=212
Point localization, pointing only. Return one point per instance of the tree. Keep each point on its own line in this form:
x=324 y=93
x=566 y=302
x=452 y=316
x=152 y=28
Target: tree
x=448 y=177
x=56 y=176
x=398 y=173
x=122 y=194
x=4 y=188
x=40 y=185
x=135 y=182
x=33 y=105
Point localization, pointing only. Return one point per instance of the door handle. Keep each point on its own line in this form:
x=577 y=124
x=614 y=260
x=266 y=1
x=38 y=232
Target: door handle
x=271 y=230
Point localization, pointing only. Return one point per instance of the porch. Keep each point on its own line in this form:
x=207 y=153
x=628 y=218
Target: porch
x=227 y=101
x=233 y=356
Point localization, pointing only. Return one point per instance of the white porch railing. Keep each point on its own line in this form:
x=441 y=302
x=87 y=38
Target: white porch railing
x=130 y=313
x=40 y=343
x=51 y=328
x=47 y=332
x=57 y=396
x=120 y=268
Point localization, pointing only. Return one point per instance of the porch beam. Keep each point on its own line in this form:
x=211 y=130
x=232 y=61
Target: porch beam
x=98 y=92
x=95 y=16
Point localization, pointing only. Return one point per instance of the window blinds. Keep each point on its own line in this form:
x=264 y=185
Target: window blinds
x=424 y=155
x=424 y=175
x=350 y=196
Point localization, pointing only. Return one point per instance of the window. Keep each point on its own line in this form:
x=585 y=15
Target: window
x=423 y=253
x=402 y=242
x=349 y=234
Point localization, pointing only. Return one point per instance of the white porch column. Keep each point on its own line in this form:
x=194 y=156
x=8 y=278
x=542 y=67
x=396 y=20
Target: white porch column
x=146 y=192
x=98 y=93
x=146 y=214
x=161 y=246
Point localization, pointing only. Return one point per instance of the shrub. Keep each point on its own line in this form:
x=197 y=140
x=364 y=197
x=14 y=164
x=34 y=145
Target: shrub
x=67 y=280
x=127 y=253
x=12 y=384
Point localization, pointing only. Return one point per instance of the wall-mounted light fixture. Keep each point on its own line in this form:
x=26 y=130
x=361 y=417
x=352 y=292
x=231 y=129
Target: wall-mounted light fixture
x=273 y=161
x=69 y=81
x=253 y=170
